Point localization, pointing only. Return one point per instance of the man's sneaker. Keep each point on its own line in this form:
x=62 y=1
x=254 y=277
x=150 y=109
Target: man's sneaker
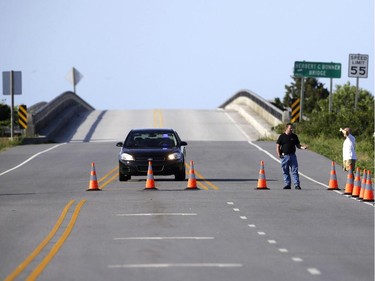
x=298 y=187
x=287 y=187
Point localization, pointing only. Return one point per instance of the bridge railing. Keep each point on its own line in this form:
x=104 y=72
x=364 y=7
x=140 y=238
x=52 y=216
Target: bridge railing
x=260 y=106
x=47 y=118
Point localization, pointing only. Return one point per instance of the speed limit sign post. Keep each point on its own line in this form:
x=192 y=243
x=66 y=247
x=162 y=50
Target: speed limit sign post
x=358 y=68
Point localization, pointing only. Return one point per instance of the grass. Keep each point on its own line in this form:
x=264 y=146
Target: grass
x=8 y=142
x=332 y=149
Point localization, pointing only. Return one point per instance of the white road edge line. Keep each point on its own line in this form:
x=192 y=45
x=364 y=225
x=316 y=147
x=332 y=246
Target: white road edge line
x=31 y=158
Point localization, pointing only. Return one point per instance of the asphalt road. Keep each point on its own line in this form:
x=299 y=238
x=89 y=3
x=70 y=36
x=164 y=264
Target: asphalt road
x=53 y=229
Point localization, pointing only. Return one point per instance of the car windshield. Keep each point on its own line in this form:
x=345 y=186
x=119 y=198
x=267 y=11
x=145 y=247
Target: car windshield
x=151 y=139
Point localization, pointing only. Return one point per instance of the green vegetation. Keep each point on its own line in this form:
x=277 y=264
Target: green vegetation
x=320 y=130
x=7 y=142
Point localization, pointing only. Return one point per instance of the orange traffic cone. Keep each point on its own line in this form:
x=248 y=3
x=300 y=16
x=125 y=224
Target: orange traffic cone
x=192 y=181
x=150 y=183
x=368 y=195
x=93 y=185
x=333 y=184
x=357 y=184
x=262 y=182
x=363 y=185
x=349 y=182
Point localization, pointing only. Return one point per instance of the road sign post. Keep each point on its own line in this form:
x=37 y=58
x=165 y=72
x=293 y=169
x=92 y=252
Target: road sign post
x=317 y=69
x=358 y=68
x=12 y=85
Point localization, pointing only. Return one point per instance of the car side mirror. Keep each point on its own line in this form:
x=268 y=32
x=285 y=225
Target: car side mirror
x=119 y=144
x=183 y=143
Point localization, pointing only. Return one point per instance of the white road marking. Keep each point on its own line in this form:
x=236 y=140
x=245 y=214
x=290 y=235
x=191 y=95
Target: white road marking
x=236 y=209
x=230 y=203
x=31 y=158
x=167 y=265
x=261 y=233
x=165 y=238
x=243 y=217
x=271 y=241
x=297 y=259
x=282 y=250
x=252 y=225
x=314 y=271
x=156 y=214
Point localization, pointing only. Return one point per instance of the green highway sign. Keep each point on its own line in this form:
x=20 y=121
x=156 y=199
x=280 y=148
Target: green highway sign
x=317 y=69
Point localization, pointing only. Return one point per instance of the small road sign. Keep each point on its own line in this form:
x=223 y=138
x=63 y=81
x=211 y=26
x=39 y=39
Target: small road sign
x=12 y=83
x=317 y=69
x=358 y=65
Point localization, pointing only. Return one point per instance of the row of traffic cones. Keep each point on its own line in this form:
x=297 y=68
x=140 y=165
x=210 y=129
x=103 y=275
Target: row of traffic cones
x=354 y=187
x=150 y=182
x=191 y=185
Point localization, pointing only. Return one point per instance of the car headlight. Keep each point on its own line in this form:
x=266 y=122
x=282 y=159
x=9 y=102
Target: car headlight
x=127 y=157
x=174 y=156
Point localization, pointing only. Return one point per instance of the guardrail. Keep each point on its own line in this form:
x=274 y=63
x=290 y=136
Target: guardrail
x=46 y=119
x=260 y=106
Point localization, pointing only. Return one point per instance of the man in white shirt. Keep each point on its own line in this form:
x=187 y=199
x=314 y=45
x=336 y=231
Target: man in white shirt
x=348 y=150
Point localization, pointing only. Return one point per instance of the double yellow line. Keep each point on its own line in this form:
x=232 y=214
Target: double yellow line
x=158 y=119
x=55 y=248
x=109 y=177
x=205 y=184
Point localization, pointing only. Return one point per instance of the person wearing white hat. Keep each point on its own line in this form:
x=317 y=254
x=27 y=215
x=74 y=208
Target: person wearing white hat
x=349 y=155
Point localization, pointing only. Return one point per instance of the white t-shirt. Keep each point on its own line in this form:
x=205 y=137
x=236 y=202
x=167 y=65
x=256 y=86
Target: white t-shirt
x=348 y=148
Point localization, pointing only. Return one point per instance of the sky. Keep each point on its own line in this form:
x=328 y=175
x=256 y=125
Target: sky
x=177 y=54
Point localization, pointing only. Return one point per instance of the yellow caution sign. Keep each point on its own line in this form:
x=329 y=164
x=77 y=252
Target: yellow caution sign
x=295 y=110
x=22 y=116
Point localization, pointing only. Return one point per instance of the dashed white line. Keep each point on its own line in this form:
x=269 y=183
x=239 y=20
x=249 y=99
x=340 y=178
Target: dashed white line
x=230 y=203
x=243 y=217
x=236 y=209
x=314 y=271
x=261 y=233
x=271 y=241
x=297 y=259
x=283 y=250
x=252 y=225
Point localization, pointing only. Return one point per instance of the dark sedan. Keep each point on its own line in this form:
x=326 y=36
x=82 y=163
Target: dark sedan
x=163 y=147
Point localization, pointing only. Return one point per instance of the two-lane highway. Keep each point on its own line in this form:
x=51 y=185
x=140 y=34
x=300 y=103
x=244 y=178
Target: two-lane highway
x=53 y=229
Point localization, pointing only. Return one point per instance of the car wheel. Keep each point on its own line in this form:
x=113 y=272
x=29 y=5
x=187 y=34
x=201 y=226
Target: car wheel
x=180 y=176
x=123 y=177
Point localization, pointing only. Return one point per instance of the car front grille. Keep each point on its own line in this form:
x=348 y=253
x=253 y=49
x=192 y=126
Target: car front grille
x=154 y=158
x=155 y=168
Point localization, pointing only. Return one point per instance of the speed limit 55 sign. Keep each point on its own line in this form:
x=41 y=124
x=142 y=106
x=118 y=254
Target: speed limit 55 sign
x=358 y=65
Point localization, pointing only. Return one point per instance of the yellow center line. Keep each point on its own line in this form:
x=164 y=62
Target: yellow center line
x=108 y=174
x=158 y=119
x=109 y=181
x=38 y=249
x=56 y=247
x=113 y=171
x=206 y=182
